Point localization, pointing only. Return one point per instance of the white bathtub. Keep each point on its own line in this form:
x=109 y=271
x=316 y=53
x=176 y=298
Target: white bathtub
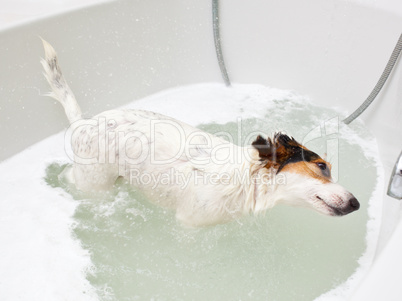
x=334 y=51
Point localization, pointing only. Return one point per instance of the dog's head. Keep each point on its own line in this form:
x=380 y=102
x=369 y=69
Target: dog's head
x=308 y=180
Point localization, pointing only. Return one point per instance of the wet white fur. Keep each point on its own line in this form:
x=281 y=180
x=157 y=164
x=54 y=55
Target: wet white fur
x=206 y=179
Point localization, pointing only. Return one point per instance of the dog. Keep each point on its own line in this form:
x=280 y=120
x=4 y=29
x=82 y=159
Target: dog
x=204 y=178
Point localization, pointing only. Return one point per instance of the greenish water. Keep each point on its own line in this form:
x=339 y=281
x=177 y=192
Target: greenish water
x=140 y=252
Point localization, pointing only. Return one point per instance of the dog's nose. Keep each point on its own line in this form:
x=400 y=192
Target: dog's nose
x=354 y=204
x=351 y=205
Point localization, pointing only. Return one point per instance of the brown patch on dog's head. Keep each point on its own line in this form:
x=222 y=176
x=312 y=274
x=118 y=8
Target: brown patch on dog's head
x=285 y=153
x=319 y=169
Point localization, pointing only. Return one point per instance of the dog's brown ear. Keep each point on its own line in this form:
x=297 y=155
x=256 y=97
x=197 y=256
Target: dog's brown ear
x=266 y=149
x=277 y=150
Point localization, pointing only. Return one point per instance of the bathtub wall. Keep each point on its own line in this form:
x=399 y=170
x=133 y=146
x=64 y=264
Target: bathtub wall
x=332 y=50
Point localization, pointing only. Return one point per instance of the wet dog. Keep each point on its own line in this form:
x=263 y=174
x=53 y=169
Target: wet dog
x=206 y=179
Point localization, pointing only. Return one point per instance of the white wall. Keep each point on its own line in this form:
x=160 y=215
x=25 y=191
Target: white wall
x=16 y=11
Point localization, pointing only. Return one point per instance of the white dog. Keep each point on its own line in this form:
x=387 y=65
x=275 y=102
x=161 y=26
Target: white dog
x=206 y=179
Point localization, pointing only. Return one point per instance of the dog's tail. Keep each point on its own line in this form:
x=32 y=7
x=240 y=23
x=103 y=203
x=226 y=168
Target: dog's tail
x=60 y=88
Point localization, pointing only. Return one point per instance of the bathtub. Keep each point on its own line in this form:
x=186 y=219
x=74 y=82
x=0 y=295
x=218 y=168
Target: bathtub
x=332 y=50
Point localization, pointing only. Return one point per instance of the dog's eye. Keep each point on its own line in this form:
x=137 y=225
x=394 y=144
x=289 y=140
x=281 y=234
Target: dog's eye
x=324 y=169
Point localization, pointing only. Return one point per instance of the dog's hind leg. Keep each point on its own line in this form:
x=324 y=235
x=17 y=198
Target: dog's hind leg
x=95 y=177
x=60 y=88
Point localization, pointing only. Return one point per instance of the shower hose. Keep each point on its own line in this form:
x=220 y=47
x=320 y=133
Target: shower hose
x=217 y=40
x=384 y=76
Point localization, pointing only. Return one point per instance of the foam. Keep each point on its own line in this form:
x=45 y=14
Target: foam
x=40 y=259
x=229 y=103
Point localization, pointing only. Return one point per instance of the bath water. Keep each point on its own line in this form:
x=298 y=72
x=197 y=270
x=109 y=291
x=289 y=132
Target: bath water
x=134 y=250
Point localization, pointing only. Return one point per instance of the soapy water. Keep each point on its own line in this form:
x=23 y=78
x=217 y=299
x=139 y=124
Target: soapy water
x=126 y=248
